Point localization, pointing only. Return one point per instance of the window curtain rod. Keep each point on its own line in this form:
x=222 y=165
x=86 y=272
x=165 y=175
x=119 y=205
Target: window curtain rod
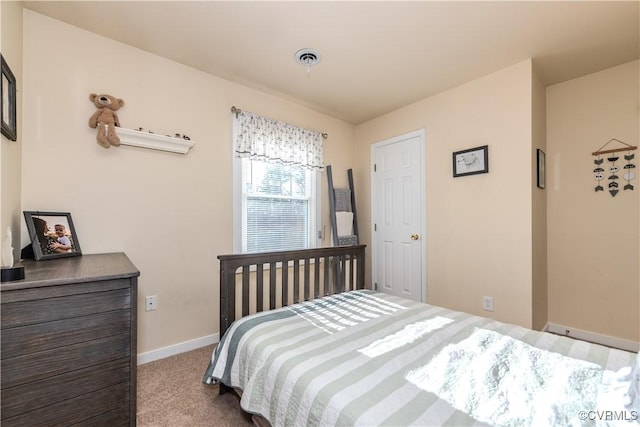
x=235 y=110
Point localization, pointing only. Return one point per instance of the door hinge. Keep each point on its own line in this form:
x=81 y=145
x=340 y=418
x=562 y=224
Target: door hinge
x=375 y=227
x=375 y=286
x=375 y=167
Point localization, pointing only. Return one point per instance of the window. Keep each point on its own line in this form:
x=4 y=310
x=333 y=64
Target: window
x=278 y=207
x=276 y=186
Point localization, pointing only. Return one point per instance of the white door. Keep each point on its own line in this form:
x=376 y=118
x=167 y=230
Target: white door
x=397 y=203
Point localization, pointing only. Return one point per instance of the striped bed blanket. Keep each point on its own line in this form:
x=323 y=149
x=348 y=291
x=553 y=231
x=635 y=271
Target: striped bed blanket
x=365 y=358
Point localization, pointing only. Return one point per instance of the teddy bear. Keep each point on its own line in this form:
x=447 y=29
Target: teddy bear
x=106 y=119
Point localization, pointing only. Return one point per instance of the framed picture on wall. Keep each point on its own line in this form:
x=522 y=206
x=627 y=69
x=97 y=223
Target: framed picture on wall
x=541 y=181
x=471 y=162
x=52 y=234
x=8 y=97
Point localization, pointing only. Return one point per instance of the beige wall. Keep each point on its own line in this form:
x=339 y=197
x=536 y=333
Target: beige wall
x=478 y=227
x=539 y=205
x=11 y=151
x=170 y=213
x=593 y=237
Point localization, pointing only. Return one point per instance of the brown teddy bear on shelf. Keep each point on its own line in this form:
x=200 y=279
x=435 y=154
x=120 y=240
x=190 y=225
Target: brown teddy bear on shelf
x=106 y=119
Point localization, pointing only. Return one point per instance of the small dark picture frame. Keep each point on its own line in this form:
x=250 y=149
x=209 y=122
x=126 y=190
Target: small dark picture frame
x=471 y=162
x=541 y=168
x=8 y=97
x=52 y=234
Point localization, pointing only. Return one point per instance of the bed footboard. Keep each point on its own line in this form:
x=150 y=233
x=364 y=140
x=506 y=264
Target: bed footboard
x=285 y=277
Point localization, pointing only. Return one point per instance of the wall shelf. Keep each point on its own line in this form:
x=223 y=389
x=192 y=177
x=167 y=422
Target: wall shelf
x=153 y=141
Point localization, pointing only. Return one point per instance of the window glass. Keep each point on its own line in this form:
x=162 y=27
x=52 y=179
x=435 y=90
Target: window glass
x=278 y=207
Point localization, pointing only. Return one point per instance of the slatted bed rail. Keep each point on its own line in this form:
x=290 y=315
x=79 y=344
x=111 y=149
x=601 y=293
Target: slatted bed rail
x=342 y=270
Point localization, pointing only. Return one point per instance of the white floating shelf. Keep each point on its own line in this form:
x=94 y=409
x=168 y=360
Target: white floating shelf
x=153 y=141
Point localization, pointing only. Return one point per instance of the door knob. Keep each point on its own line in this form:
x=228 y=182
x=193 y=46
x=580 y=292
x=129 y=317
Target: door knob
x=414 y=237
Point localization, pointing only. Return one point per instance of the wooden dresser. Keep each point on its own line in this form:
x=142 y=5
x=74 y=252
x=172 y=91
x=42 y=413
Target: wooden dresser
x=68 y=344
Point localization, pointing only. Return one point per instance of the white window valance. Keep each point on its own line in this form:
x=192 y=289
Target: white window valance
x=265 y=139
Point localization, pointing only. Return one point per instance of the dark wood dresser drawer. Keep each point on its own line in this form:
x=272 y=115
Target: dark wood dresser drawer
x=77 y=410
x=35 y=338
x=68 y=348
x=37 y=394
x=32 y=367
x=16 y=311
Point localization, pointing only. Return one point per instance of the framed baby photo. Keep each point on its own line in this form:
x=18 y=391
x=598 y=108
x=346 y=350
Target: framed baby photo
x=52 y=234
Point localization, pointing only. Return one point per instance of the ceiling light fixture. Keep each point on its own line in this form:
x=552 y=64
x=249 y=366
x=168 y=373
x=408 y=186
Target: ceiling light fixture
x=308 y=58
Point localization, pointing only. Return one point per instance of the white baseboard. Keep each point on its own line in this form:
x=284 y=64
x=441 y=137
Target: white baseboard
x=593 y=337
x=182 y=347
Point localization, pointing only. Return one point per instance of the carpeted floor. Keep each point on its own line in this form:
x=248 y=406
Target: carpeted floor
x=171 y=394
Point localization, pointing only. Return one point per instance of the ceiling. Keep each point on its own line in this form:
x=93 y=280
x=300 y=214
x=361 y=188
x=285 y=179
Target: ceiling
x=375 y=57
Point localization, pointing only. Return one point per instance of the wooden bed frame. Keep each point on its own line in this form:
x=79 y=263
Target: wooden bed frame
x=342 y=266
x=246 y=286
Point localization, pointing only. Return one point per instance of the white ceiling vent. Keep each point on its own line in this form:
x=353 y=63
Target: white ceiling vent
x=308 y=58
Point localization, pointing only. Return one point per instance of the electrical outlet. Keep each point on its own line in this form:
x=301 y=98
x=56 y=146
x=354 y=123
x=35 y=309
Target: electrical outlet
x=487 y=303
x=150 y=303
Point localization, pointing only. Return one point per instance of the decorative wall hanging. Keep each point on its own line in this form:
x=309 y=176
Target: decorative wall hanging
x=600 y=171
x=8 y=108
x=470 y=162
x=541 y=175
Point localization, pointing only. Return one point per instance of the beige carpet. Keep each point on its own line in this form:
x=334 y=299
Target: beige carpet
x=171 y=394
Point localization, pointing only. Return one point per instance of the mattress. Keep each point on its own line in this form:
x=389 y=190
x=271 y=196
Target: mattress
x=365 y=358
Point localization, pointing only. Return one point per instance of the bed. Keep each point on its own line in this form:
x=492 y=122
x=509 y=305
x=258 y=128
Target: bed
x=311 y=347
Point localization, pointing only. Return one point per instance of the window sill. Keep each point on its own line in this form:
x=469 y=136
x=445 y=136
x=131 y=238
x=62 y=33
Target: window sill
x=153 y=141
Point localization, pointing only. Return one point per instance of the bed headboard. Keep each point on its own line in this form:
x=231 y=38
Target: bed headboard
x=309 y=274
